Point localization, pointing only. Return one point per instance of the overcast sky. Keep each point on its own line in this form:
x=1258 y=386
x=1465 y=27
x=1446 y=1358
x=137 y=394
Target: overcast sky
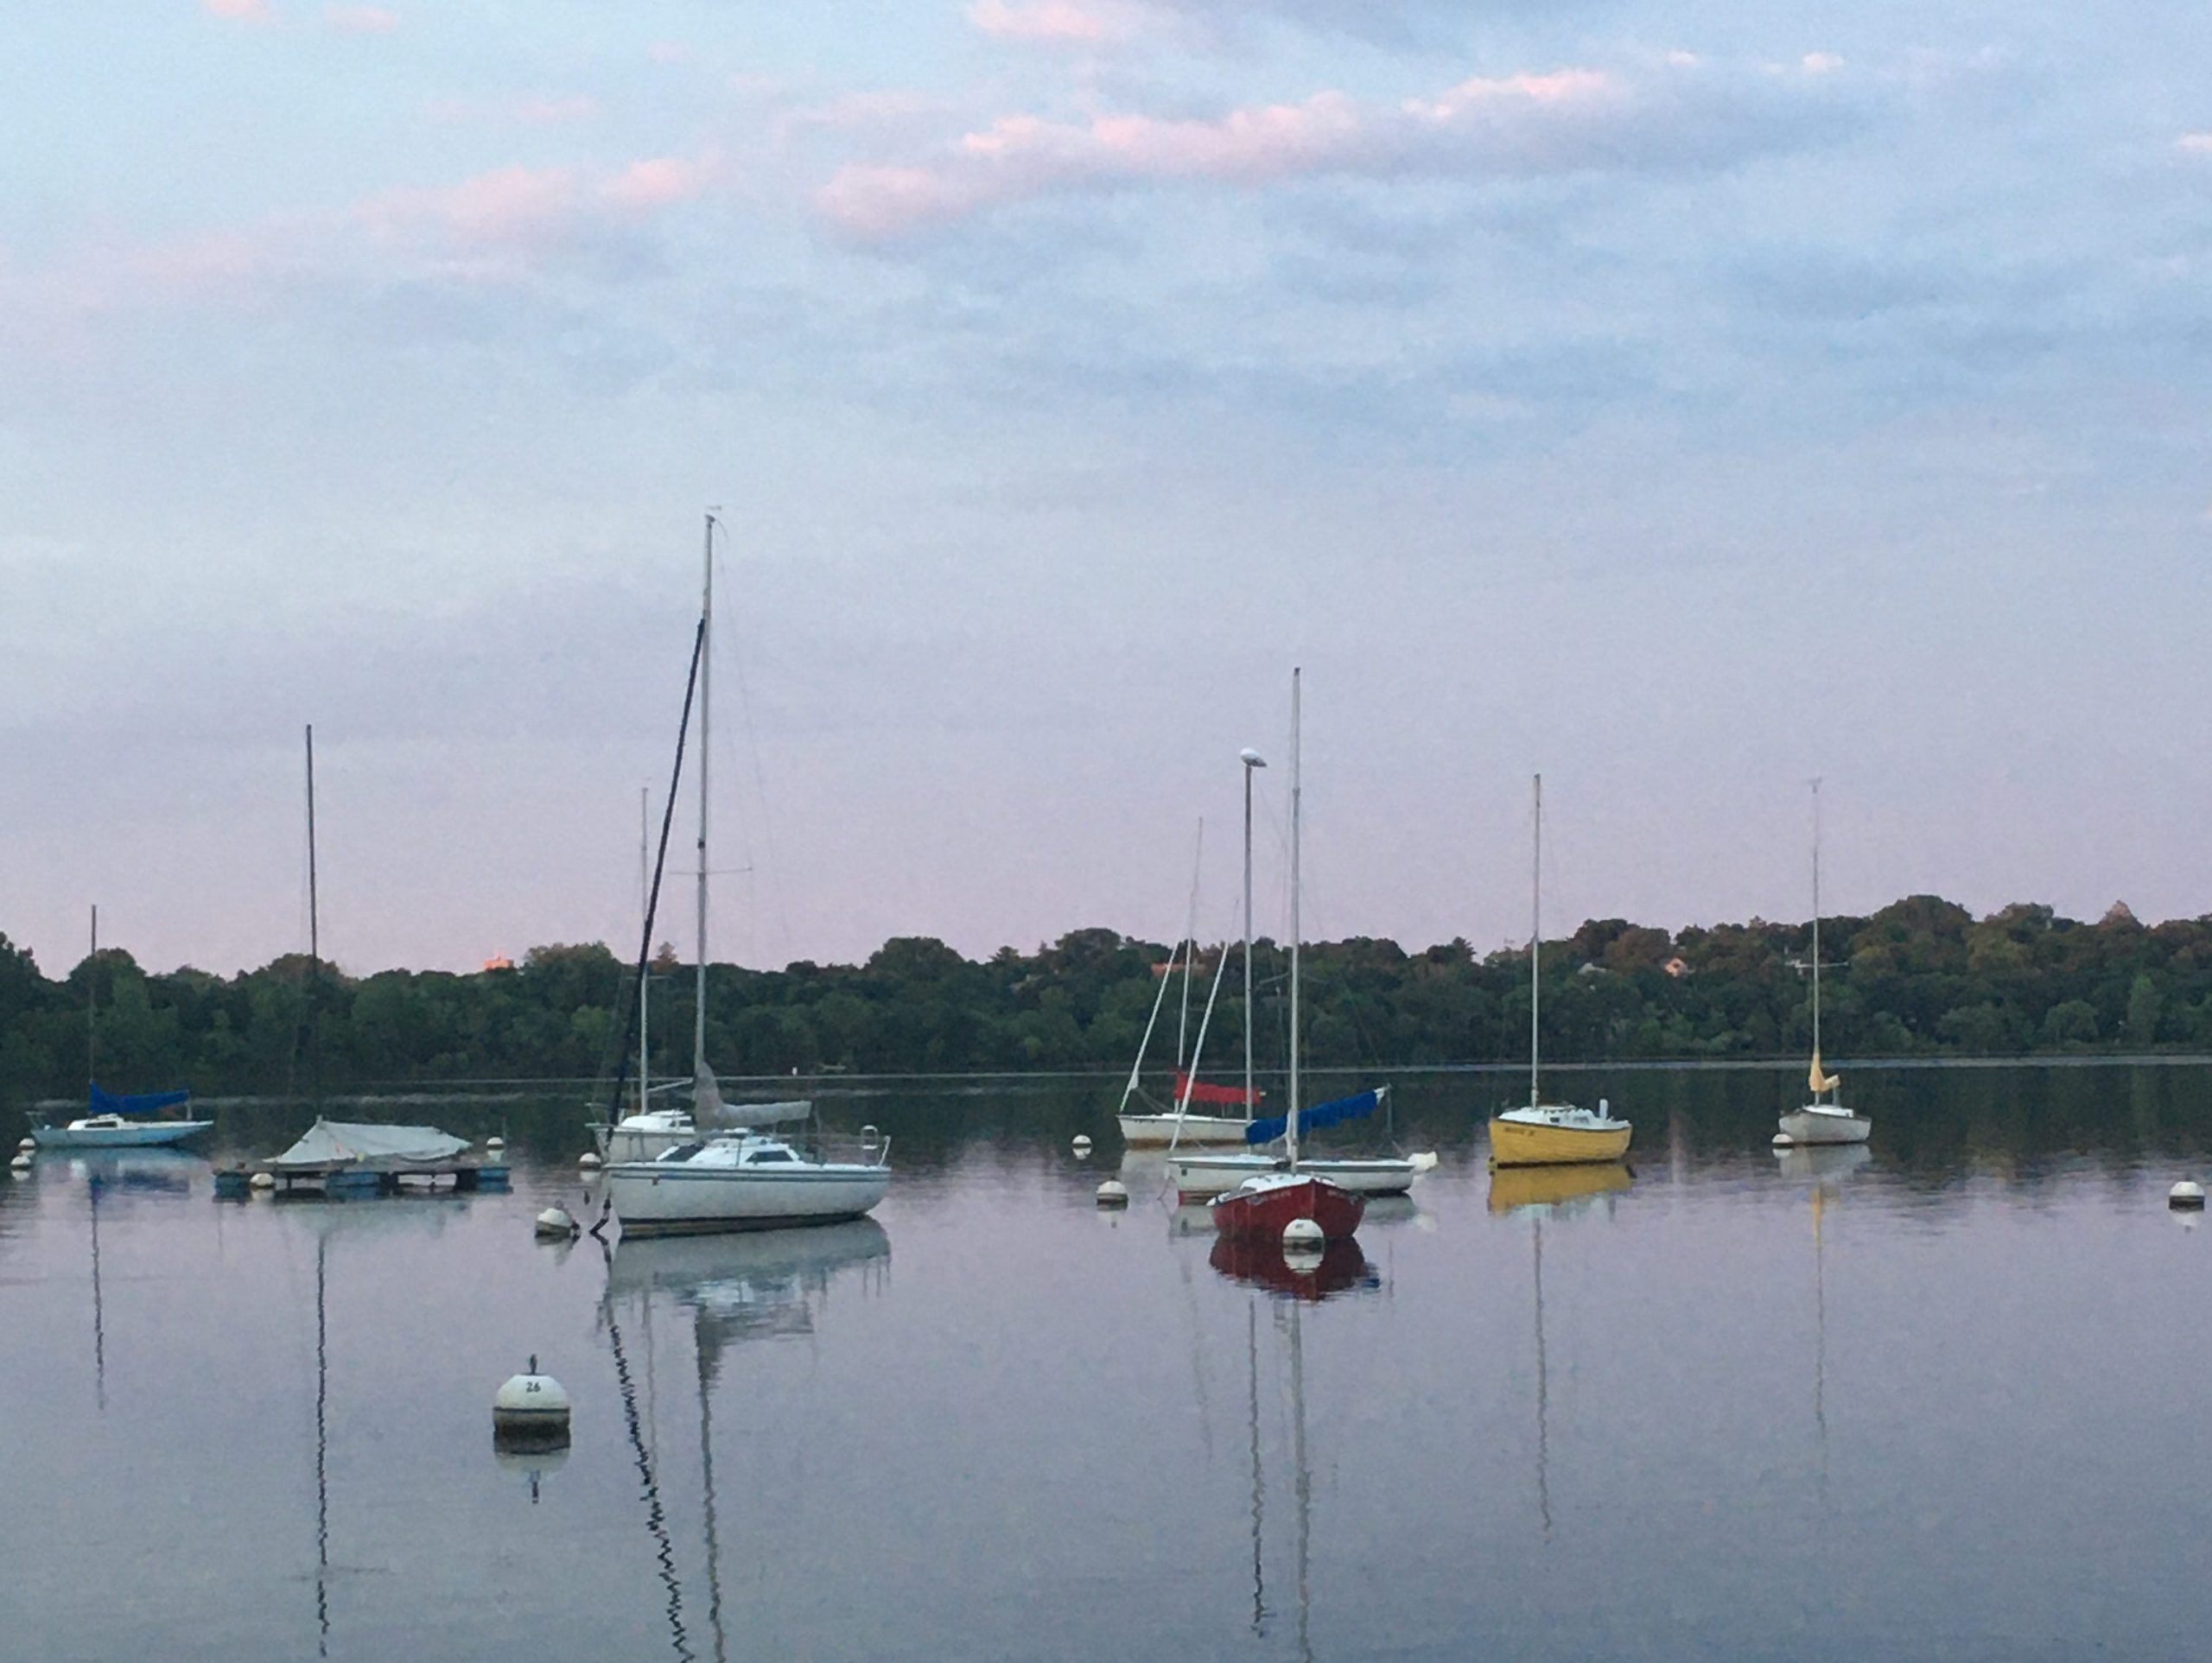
x=1684 y=401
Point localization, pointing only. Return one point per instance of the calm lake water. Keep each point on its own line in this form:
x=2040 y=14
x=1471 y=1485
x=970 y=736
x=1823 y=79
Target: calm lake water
x=1941 y=1397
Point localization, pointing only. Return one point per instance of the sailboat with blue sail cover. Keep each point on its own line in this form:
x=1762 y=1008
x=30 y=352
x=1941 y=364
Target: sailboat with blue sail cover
x=113 y=1121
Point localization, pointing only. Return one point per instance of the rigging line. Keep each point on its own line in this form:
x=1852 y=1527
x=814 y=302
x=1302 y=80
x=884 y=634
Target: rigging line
x=736 y=661
x=648 y=1485
x=660 y=866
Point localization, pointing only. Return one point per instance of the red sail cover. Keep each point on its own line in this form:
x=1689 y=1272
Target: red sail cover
x=1202 y=1092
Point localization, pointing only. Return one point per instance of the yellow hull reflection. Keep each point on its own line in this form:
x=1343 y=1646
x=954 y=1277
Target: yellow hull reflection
x=1550 y=1186
x=1516 y=1143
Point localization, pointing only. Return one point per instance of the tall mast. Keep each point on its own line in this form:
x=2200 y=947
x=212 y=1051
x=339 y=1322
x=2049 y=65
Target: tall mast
x=1535 y=943
x=315 y=936
x=1190 y=935
x=314 y=939
x=1251 y=759
x=93 y=1002
x=644 y=907
x=1296 y=793
x=1816 y=921
x=706 y=665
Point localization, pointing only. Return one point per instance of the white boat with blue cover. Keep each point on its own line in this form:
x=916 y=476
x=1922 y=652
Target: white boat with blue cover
x=122 y=1123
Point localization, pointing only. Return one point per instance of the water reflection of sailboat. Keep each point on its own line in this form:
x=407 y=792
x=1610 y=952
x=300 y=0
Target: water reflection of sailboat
x=1824 y=1166
x=1289 y=1322
x=1341 y=1267
x=766 y=1285
x=1541 y=1190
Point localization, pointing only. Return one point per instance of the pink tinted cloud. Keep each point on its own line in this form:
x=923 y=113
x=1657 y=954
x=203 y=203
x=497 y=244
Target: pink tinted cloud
x=1019 y=157
x=361 y=20
x=659 y=182
x=528 y=212
x=241 y=11
x=1497 y=126
x=2194 y=143
x=1052 y=23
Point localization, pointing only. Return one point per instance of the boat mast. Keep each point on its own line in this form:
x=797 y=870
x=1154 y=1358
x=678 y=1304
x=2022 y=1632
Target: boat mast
x=706 y=665
x=1290 y=1123
x=315 y=939
x=93 y=1002
x=1190 y=935
x=1817 y=929
x=645 y=910
x=1535 y=943
x=1251 y=759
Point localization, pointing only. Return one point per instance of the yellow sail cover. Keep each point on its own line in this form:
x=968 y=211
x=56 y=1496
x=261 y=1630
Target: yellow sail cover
x=1821 y=1082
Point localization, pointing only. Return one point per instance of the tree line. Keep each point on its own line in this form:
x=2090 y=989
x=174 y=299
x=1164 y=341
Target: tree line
x=1923 y=975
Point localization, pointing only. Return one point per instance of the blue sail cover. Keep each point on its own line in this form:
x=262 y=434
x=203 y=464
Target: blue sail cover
x=1313 y=1119
x=148 y=1102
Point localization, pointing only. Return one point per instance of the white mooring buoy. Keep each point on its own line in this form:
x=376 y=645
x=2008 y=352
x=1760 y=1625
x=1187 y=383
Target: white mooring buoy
x=2187 y=1197
x=495 y=1142
x=1303 y=1236
x=531 y=1408
x=1783 y=1140
x=588 y=1161
x=1113 y=1193
x=555 y=1224
x=262 y=1181
x=1082 y=1144
x=27 y=1145
x=22 y=1163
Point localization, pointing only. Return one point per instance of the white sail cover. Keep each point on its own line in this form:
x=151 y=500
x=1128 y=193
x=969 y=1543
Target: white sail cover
x=328 y=1143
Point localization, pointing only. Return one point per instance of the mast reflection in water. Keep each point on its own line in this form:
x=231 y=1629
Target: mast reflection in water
x=766 y=1285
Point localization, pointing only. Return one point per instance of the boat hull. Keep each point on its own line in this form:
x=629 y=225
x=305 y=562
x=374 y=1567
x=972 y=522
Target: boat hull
x=655 y=1198
x=1268 y=1209
x=1826 y=1126
x=150 y=1136
x=1517 y=1143
x=1159 y=1131
x=1380 y=1176
x=1201 y=1177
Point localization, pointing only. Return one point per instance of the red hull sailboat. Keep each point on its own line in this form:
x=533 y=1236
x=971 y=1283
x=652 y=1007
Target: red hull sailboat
x=1264 y=1206
x=1268 y=1204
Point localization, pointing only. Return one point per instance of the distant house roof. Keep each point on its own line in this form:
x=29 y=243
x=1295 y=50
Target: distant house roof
x=498 y=961
x=1677 y=967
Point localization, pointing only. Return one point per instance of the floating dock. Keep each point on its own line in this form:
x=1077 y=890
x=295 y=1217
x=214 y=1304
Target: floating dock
x=463 y=1176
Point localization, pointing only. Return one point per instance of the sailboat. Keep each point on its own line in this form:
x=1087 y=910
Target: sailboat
x=1267 y=1203
x=722 y=1171
x=1823 y=1119
x=646 y=1133
x=112 y=1121
x=1545 y=1135
x=1200 y=1176
x=1179 y=1126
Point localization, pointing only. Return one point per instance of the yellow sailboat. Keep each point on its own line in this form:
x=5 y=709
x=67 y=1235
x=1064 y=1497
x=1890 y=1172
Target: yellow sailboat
x=1550 y=1134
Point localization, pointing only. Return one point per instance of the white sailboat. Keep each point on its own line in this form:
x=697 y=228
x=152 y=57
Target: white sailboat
x=715 y=1169
x=1179 y=1127
x=113 y=1121
x=1823 y=1120
x=1545 y=1135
